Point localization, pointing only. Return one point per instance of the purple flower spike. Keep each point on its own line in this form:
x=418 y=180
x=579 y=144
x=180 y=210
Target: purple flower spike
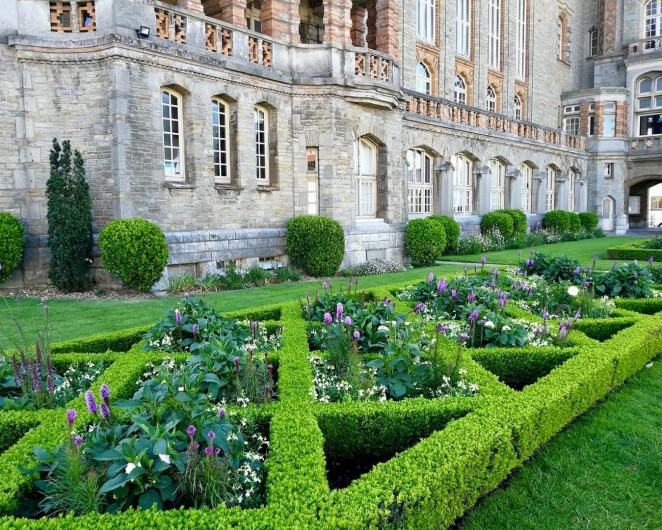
x=473 y=316
x=483 y=260
x=586 y=283
x=463 y=338
x=211 y=435
x=178 y=316
x=325 y=286
x=78 y=440
x=430 y=278
x=419 y=308
x=387 y=301
x=209 y=451
x=91 y=402
x=614 y=265
x=71 y=417
x=339 y=311
x=253 y=326
x=348 y=321
x=221 y=411
x=105 y=411
x=328 y=319
x=578 y=315
x=441 y=285
x=357 y=335
x=471 y=297
x=236 y=365
x=191 y=430
x=563 y=333
x=196 y=446
x=104 y=392
x=441 y=329
x=49 y=383
x=270 y=369
x=650 y=260
x=453 y=293
x=186 y=295
x=194 y=330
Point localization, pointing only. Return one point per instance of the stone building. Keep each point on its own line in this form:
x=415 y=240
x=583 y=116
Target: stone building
x=219 y=120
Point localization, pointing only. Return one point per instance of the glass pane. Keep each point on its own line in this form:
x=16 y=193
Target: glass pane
x=366 y=163
x=645 y=86
x=644 y=103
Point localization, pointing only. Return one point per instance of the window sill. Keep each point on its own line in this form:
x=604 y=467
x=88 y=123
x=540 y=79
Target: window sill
x=178 y=185
x=267 y=188
x=226 y=186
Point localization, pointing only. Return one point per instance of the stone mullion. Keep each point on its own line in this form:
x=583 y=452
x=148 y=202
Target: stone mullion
x=388 y=27
x=273 y=24
x=337 y=22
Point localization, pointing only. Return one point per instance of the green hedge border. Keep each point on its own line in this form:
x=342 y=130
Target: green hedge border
x=469 y=445
x=631 y=251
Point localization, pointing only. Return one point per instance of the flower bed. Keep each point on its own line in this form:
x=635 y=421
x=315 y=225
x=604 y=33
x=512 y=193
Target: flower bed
x=438 y=455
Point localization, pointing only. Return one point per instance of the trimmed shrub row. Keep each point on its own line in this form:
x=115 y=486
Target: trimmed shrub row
x=479 y=441
x=12 y=242
x=633 y=251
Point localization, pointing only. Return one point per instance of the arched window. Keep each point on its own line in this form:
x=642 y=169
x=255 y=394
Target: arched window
x=463 y=27
x=526 y=174
x=491 y=99
x=365 y=155
x=460 y=90
x=649 y=104
x=173 y=140
x=498 y=170
x=425 y=19
x=494 y=34
x=220 y=126
x=463 y=194
x=419 y=182
x=550 y=188
x=517 y=106
x=572 y=182
x=653 y=21
x=593 y=42
x=261 y=127
x=423 y=79
x=562 y=38
x=521 y=39
x=253 y=13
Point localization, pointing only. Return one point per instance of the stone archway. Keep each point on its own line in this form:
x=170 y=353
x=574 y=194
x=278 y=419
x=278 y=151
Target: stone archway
x=644 y=202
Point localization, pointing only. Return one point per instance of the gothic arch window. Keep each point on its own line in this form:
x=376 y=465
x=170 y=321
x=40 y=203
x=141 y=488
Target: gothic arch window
x=517 y=106
x=491 y=99
x=463 y=27
x=593 y=42
x=423 y=79
x=562 y=38
x=526 y=175
x=463 y=184
x=419 y=182
x=648 y=106
x=460 y=90
x=550 y=188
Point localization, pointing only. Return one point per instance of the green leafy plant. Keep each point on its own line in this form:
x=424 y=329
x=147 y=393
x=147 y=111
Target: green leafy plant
x=425 y=241
x=316 y=244
x=12 y=242
x=520 y=224
x=69 y=220
x=499 y=221
x=452 y=230
x=574 y=222
x=627 y=281
x=588 y=220
x=135 y=251
x=557 y=221
x=256 y=276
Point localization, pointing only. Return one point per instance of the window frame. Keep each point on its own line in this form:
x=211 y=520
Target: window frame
x=498 y=187
x=494 y=35
x=572 y=119
x=572 y=181
x=550 y=188
x=526 y=172
x=649 y=118
x=423 y=80
x=521 y=37
x=491 y=99
x=654 y=20
x=425 y=20
x=253 y=15
x=170 y=163
x=518 y=107
x=366 y=178
x=460 y=92
x=463 y=27
x=261 y=126
x=219 y=139
x=463 y=185
x=420 y=186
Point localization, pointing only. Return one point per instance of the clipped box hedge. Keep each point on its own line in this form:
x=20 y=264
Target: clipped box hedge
x=632 y=251
x=448 y=452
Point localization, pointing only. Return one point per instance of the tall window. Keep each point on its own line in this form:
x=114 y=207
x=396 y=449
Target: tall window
x=261 y=126
x=527 y=184
x=463 y=193
x=312 y=172
x=460 y=90
x=591 y=119
x=572 y=182
x=253 y=12
x=593 y=42
x=649 y=104
x=571 y=119
x=463 y=27
x=419 y=182
x=520 y=39
x=423 y=79
x=550 y=188
x=220 y=118
x=498 y=170
x=425 y=20
x=517 y=105
x=653 y=21
x=609 y=119
x=173 y=144
x=491 y=99
x=366 y=177
x=562 y=38
x=494 y=34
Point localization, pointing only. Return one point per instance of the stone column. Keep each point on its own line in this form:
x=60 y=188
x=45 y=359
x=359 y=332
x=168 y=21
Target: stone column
x=442 y=202
x=538 y=192
x=561 y=192
x=275 y=19
x=388 y=27
x=482 y=190
x=513 y=191
x=191 y=5
x=337 y=22
x=233 y=12
x=359 y=30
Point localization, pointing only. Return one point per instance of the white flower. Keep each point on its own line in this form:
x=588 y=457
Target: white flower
x=489 y=324
x=164 y=458
x=573 y=290
x=129 y=467
x=506 y=328
x=180 y=389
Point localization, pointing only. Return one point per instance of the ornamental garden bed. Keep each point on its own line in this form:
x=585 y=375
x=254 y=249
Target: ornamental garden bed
x=435 y=455
x=641 y=250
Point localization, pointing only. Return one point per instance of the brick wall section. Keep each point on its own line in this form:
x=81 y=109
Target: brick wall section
x=388 y=27
x=191 y=5
x=337 y=22
x=621 y=119
x=609 y=25
x=275 y=18
x=233 y=12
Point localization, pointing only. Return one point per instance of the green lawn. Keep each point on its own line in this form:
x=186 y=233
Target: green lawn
x=603 y=472
x=581 y=250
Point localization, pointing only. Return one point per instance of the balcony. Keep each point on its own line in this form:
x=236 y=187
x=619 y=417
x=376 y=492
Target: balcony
x=645 y=147
x=652 y=48
x=446 y=111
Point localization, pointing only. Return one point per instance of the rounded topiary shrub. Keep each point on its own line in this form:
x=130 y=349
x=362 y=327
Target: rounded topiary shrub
x=574 y=222
x=12 y=241
x=135 y=251
x=316 y=244
x=452 y=229
x=425 y=241
x=556 y=221
x=588 y=220
x=499 y=221
x=520 y=224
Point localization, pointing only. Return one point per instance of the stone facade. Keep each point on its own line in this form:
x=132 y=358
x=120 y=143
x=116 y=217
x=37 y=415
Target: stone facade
x=79 y=71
